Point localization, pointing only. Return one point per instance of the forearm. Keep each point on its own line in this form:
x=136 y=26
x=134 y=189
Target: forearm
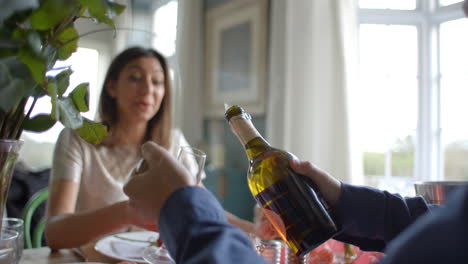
x=370 y=218
x=245 y=225
x=73 y=230
x=194 y=228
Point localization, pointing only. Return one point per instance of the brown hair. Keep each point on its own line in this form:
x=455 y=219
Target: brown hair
x=160 y=125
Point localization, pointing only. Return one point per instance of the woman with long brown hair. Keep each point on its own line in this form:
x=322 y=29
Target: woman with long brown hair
x=86 y=197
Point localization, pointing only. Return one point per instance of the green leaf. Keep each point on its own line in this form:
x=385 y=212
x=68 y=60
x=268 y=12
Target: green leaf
x=51 y=53
x=63 y=81
x=69 y=116
x=38 y=92
x=15 y=83
x=39 y=123
x=80 y=96
x=67 y=41
x=7 y=48
x=18 y=34
x=36 y=64
x=92 y=132
x=116 y=8
x=52 y=91
x=11 y=7
x=51 y=13
x=11 y=94
x=82 y=11
x=34 y=41
x=103 y=10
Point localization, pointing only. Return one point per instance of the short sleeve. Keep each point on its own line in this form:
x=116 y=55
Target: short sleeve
x=68 y=157
x=180 y=141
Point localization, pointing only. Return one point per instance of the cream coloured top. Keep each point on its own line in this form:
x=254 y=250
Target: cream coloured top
x=101 y=170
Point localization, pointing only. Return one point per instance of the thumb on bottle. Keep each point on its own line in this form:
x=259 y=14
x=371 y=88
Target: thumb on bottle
x=302 y=167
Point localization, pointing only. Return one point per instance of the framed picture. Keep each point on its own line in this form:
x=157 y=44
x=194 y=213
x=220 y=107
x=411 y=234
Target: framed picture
x=236 y=48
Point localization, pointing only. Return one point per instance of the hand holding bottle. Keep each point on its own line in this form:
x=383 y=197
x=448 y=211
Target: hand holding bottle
x=289 y=202
x=329 y=187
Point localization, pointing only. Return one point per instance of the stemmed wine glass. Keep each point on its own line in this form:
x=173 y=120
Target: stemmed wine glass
x=157 y=255
x=194 y=160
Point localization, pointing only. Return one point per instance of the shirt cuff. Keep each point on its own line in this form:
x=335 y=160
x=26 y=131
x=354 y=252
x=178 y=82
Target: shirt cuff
x=360 y=211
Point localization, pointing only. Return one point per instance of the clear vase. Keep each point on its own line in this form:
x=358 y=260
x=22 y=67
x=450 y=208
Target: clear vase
x=9 y=151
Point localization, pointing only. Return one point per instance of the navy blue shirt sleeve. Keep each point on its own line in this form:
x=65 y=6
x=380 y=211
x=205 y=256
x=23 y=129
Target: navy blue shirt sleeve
x=370 y=218
x=409 y=230
x=194 y=228
x=439 y=237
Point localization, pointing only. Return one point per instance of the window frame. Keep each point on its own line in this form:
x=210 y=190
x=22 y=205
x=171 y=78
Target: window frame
x=427 y=17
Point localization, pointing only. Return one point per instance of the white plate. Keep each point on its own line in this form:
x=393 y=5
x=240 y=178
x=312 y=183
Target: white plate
x=122 y=249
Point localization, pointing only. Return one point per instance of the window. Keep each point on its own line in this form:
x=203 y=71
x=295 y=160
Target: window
x=454 y=94
x=386 y=4
x=449 y=2
x=165 y=35
x=165 y=28
x=413 y=71
x=389 y=83
x=84 y=63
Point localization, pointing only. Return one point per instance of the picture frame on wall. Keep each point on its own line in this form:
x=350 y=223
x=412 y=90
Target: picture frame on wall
x=236 y=48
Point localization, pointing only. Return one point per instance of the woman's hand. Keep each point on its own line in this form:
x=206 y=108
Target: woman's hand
x=136 y=219
x=262 y=227
x=329 y=187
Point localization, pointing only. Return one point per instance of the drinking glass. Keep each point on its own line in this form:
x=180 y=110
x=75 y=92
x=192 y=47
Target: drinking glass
x=8 y=246
x=157 y=255
x=194 y=160
x=15 y=224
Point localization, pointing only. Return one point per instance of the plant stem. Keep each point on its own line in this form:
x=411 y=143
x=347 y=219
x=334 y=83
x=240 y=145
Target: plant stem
x=18 y=118
x=27 y=116
x=5 y=125
x=31 y=108
x=2 y=118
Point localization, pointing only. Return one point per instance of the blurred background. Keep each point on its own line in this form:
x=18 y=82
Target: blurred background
x=373 y=91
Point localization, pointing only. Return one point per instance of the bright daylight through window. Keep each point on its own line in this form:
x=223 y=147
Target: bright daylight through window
x=413 y=78
x=84 y=63
x=454 y=96
x=165 y=28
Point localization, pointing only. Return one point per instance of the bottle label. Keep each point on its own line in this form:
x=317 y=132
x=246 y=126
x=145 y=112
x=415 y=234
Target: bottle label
x=299 y=219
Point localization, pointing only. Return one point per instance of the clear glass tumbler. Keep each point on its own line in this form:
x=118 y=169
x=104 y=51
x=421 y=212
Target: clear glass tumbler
x=17 y=225
x=9 y=246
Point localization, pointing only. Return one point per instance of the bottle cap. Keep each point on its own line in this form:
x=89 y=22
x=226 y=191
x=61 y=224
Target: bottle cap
x=236 y=110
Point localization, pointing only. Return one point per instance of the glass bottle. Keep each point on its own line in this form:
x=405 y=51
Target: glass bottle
x=288 y=200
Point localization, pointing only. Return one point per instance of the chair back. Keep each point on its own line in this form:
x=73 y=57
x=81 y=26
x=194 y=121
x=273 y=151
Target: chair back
x=34 y=240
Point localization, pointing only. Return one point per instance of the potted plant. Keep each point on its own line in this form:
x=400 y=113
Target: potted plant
x=34 y=34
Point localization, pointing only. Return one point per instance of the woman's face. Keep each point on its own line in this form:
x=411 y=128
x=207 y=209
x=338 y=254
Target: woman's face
x=139 y=90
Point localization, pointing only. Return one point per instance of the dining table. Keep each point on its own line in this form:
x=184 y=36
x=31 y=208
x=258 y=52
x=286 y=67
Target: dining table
x=45 y=255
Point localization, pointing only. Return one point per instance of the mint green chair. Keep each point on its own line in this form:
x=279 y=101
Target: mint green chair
x=37 y=199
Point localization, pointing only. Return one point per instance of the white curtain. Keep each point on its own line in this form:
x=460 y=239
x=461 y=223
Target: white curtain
x=312 y=63
x=188 y=106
